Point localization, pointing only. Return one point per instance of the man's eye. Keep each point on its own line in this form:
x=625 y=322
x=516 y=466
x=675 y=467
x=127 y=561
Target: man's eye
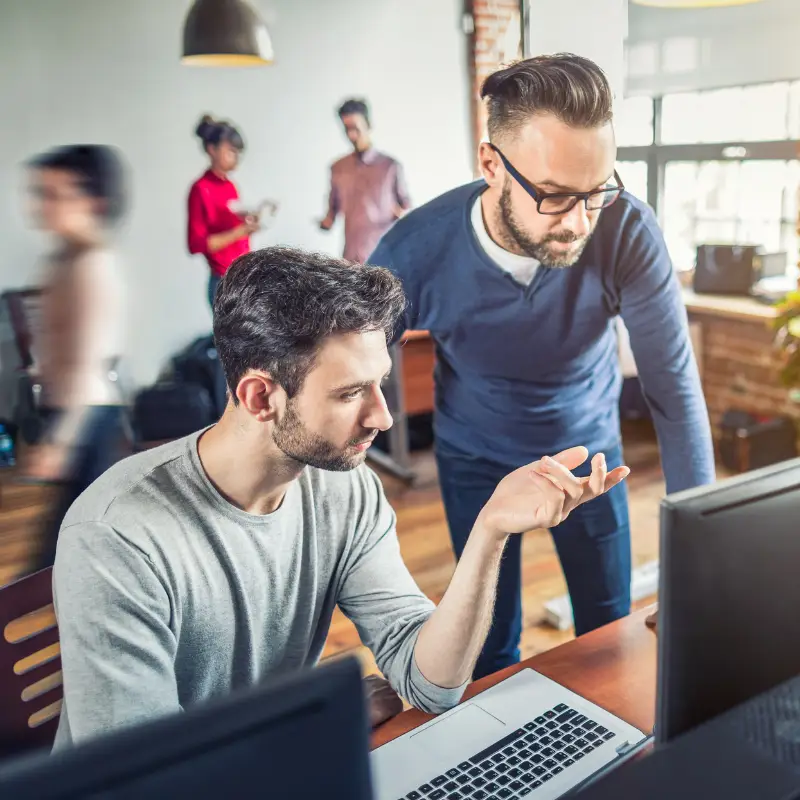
x=351 y=395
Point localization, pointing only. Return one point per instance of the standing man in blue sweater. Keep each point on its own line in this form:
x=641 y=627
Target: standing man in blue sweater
x=519 y=278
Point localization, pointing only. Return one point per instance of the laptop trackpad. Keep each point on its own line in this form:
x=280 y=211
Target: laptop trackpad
x=469 y=730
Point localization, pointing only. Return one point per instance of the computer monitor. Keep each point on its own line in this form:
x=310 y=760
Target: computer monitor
x=729 y=595
x=304 y=736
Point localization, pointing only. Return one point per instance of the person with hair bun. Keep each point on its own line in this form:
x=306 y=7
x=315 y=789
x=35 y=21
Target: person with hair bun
x=217 y=229
x=77 y=195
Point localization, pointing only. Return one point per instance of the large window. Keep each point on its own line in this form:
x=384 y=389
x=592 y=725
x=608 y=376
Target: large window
x=720 y=165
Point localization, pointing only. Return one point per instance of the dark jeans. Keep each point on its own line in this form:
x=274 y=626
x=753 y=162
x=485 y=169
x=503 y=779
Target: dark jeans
x=213 y=285
x=593 y=545
x=101 y=446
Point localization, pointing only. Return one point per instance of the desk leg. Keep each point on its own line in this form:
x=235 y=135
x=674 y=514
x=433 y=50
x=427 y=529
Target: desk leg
x=396 y=461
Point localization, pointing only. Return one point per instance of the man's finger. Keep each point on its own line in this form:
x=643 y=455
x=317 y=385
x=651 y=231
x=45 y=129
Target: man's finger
x=616 y=476
x=597 y=480
x=572 y=458
x=566 y=480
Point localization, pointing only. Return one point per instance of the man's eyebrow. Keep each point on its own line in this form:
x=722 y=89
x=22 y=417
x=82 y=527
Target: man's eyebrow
x=569 y=189
x=350 y=387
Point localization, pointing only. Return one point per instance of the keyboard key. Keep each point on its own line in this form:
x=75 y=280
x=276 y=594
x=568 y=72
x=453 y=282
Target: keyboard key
x=609 y=735
x=567 y=728
x=531 y=737
x=490 y=788
x=560 y=757
x=539 y=771
x=540 y=720
x=600 y=730
x=561 y=707
x=497 y=758
x=526 y=753
x=567 y=715
x=450 y=787
x=536 y=748
x=491 y=775
x=438 y=794
x=568 y=763
x=549 y=714
x=464 y=765
x=515 y=785
x=536 y=784
x=578 y=732
x=541 y=731
x=530 y=726
x=550 y=763
x=588 y=748
x=546 y=741
x=503 y=767
x=438 y=781
x=503 y=780
x=462 y=780
x=487 y=765
x=519 y=745
x=546 y=777
x=455 y=796
x=497 y=746
x=474 y=772
x=568 y=738
x=570 y=749
x=451 y=773
x=467 y=790
x=578 y=756
x=525 y=790
x=588 y=724
x=579 y=720
x=413 y=796
x=547 y=752
x=591 y=737
x=525 y=766
x=425 y=788
x=528 y=778
x=480 y=795
x=509 y=751
x=551 y=725
x=513 y=761
x=479 y=782
x=514 y=773
x=557 y=770
x=559 y=745
x=537 y=759
x=504 y=793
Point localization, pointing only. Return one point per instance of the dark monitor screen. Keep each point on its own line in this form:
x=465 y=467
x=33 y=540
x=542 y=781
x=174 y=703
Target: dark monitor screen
x=303 y=737
x=729 y=595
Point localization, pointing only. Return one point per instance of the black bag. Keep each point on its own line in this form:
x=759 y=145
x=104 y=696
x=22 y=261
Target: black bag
x=747 y=442
x=199 y=364
x=170 y=411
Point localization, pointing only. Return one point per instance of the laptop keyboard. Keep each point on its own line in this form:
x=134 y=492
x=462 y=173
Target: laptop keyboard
x=520 y=762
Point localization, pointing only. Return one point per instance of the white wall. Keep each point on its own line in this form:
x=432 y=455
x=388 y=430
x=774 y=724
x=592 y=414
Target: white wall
x=684 y=49
x=108 y=71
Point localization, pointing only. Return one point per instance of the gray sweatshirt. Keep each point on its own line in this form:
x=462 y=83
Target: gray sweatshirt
x=167 y=595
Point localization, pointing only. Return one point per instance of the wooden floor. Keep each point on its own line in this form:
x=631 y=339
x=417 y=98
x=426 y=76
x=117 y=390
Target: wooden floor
x=423 y=539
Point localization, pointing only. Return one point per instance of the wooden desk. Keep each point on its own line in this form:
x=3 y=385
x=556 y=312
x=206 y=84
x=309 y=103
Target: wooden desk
x=417 y=365
x=614 y=666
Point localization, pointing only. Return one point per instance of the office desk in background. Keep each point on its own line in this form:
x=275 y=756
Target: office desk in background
x=614 y=667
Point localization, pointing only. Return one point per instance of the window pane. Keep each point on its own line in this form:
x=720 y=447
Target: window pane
x=745 y=113
x=634 y=177
x=730 y=202
x=633 y=121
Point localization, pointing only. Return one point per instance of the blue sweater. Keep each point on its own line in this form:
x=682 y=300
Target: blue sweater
x=526 y=371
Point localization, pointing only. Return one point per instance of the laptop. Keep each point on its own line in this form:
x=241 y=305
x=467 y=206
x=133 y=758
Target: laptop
x=303 y=736
x=525 y=737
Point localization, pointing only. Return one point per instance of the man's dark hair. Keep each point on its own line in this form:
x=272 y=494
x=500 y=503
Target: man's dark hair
x=354 y=106
x=572 y=88
x=97 y=167
x=275 y=307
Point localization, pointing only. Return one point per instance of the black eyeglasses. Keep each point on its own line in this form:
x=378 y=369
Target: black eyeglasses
x=554 y=203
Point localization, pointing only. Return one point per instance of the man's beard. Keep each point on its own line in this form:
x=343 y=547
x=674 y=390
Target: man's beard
x=515 y=236
x=294 y=440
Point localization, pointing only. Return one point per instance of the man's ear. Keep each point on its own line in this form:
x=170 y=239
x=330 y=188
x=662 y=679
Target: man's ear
x=259 y=394
x=490 y=166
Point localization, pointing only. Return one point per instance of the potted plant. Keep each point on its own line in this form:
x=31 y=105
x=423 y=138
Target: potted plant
x=787 y=325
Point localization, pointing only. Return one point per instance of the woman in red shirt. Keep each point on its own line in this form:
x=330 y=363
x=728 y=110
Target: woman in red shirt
x=216 y=229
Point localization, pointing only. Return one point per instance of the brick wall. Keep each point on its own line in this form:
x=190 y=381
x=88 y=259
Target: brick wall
x=497 y=40
x=741 y=368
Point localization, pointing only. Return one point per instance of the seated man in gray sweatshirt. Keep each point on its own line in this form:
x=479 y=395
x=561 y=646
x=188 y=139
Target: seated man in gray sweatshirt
x=216 y=561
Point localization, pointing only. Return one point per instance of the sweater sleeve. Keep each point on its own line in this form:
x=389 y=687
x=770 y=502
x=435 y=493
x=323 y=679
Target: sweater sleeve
x=197 y=234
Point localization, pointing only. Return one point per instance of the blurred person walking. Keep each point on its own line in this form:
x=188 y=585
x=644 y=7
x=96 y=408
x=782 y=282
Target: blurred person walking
x=77 y=196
